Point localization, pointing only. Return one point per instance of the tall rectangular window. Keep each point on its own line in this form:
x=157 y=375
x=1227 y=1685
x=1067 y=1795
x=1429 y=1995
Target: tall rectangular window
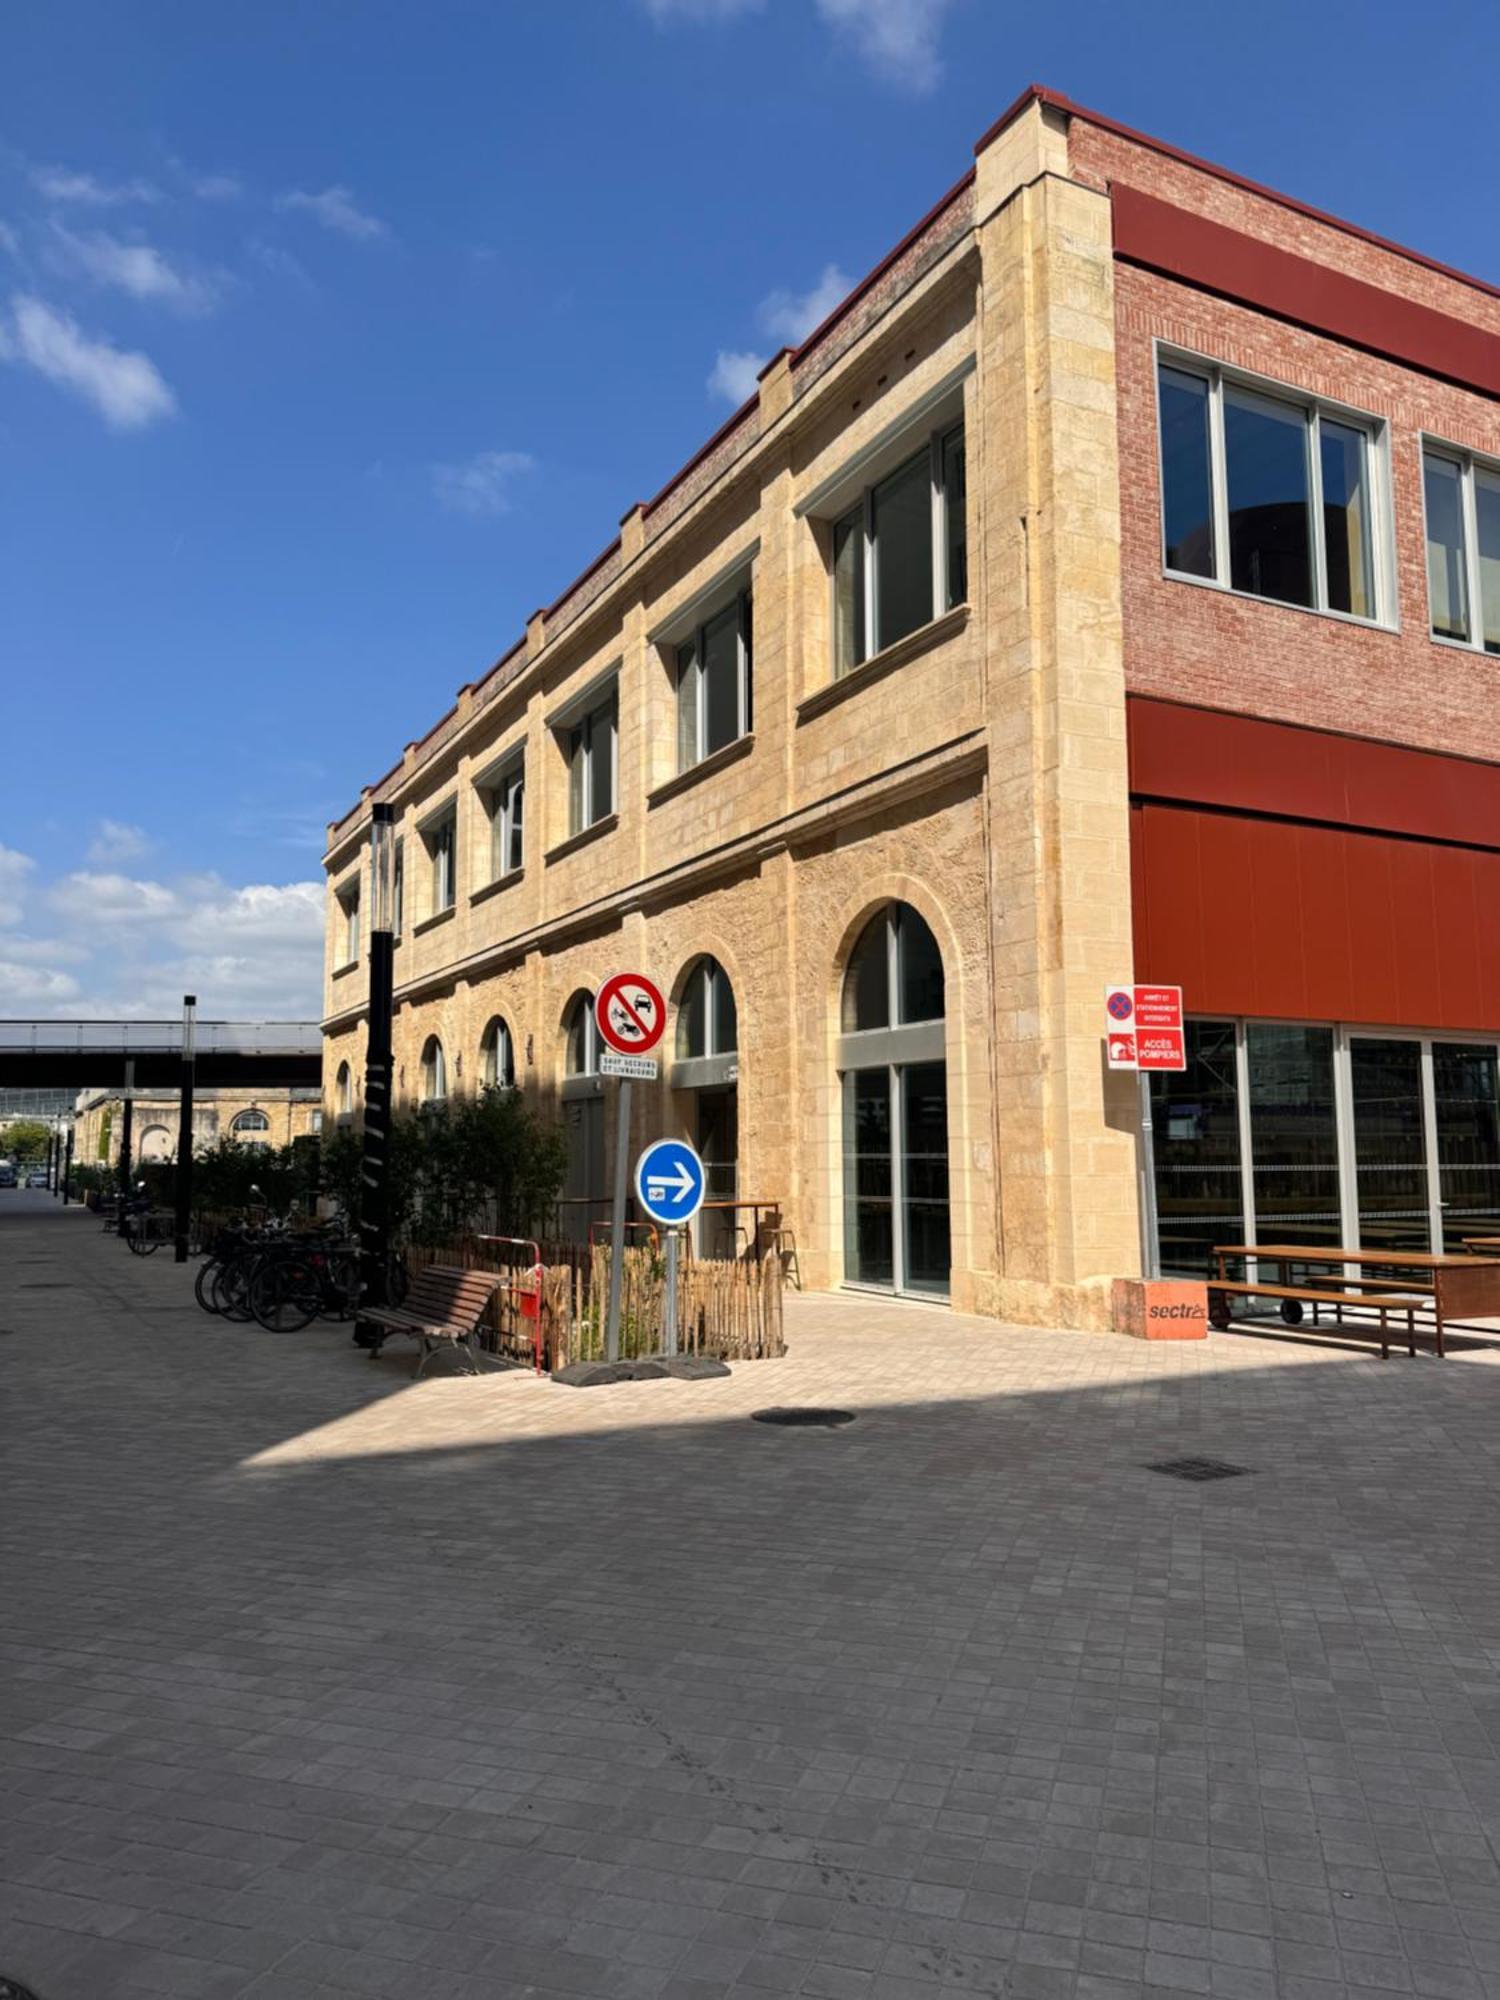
x=440 y=840
x=592 y=748
x=1267 y=494
x=1462 y=501
x=505 y=807
x=348 y=901
x=398 y=889
x=1186 y=474
x=900 y=556
x=713 y=684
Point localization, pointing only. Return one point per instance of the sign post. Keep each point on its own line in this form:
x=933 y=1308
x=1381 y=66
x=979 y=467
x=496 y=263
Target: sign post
x=670 y=1184
x=630 y=1015
x=1143 y=1031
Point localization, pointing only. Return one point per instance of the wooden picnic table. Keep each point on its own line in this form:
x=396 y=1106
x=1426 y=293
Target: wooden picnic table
x=1460 y=1285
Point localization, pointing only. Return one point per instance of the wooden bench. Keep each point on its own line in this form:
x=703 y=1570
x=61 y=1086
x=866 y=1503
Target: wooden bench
x=442 y=1305
x=1294 y=1297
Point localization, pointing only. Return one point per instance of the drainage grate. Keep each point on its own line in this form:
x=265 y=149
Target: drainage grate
x=1197 y=1468
x=824 y=1419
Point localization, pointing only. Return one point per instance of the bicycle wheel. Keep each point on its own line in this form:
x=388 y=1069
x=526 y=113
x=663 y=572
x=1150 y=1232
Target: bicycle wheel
x=203 y=1284
x=285 y=1295
x=232 y=1289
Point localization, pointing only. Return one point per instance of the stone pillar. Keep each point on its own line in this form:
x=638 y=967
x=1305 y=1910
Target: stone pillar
x=1059 y=804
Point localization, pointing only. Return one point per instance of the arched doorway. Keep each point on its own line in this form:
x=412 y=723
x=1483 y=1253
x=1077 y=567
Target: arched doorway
x=583 y=1197
x=895 y=1107
x=707 y=1064
x=156 y=1144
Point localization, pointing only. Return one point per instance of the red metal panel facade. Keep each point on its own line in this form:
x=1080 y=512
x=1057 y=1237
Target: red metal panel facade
x=1264 y=887
x=1170 y=239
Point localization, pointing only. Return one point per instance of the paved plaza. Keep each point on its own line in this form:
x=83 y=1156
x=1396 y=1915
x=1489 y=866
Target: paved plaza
x=322 y=1683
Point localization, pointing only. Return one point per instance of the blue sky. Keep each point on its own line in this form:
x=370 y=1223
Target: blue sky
x=336 y=338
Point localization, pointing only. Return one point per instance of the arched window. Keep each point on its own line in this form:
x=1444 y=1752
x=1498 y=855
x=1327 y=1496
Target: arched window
x=156 y=1143
x=434 y=1072
x=895 y=975
x=250 y=1121
x=581 y=1045
x=497 y=1057
x=343 y=1092
x=895 y=1082
x=707 y=1020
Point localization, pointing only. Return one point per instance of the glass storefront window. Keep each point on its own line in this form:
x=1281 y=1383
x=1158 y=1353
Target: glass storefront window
x=1294 y=1143
x=1466 y=1096
x=1390 y=1143
x=1195 y=1113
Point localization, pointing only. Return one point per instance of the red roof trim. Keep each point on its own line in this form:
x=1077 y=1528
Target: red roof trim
x=747 y=408
x=1038 y=93
x=583 y=576
x=852 y=299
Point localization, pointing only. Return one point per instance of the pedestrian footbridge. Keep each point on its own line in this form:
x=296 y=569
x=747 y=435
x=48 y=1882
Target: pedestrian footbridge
x=78 y=1055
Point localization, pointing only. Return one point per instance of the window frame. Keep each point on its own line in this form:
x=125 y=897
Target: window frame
x=499 y=789
x=349 y=896
x=693 y=643
x=496 y=1030
x=443 y=822
x=1467 y=464
x=717 y=985
x=579 y=743
x=861 y=515
x=434 y=1070
x=398 y=888
x=1377 y=433
x=592 y=1041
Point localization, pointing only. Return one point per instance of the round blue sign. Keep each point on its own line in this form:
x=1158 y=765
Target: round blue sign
x=1121 y=1006
x=669 y=1181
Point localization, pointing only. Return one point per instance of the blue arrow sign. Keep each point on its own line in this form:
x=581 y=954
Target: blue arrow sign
x=669 y=1181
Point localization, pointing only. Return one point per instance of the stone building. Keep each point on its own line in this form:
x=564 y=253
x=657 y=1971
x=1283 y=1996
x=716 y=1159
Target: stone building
x=251 y=1118
x=1108 y=588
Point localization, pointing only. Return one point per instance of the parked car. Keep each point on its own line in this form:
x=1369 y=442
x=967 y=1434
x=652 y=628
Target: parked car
x=7 y=1175
x=38 y=1178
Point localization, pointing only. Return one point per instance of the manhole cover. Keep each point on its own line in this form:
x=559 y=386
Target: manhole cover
x=1197 y=1468
x=12 y=1989
x=823 y=1419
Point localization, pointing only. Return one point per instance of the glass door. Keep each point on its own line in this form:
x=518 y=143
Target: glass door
x=896 y=1232
x=1466 y=1108
x=1390 y=1143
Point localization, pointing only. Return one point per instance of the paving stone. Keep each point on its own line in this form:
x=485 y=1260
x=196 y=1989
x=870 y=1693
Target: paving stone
x=314 y=1682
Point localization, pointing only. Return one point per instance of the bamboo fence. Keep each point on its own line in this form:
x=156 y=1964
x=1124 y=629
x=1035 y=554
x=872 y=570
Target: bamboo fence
x=728 y=1310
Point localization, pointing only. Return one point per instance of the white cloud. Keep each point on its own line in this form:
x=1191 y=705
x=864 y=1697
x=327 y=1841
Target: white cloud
x=16 y=870
x=481 y=485
x=896 y=39
x=791 y=316
x=127 y=947
x=335 y=208
x=34 y=987
x=117 y=840
x=65 y=184
x=89 y=898
x=788 y=318
x=125 y=388
x=734 y=375
x=137 y=268
x=701 y=10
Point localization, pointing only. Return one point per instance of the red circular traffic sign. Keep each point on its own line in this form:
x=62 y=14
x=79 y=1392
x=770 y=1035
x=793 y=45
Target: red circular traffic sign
x=630 y=1013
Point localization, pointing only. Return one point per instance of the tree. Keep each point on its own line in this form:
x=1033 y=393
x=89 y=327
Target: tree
x=26 y=1139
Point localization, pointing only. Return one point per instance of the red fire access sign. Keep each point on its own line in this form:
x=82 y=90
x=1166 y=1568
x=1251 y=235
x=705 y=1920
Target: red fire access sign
x=1143 y=1027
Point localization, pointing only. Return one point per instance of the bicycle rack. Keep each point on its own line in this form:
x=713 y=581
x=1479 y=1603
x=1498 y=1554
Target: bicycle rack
x=525 y=1288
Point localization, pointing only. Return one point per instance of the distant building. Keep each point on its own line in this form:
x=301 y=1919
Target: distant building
x=250 y=1118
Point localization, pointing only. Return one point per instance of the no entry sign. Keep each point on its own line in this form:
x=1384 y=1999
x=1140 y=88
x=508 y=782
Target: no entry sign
x=630 y=1013
x=1143 y=1027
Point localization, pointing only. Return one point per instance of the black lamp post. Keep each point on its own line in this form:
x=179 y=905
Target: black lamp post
x=374 y=1198
x=183 y=1189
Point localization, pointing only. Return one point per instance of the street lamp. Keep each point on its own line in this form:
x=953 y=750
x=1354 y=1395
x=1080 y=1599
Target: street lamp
x=374 y=1200
x=183 y=1188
